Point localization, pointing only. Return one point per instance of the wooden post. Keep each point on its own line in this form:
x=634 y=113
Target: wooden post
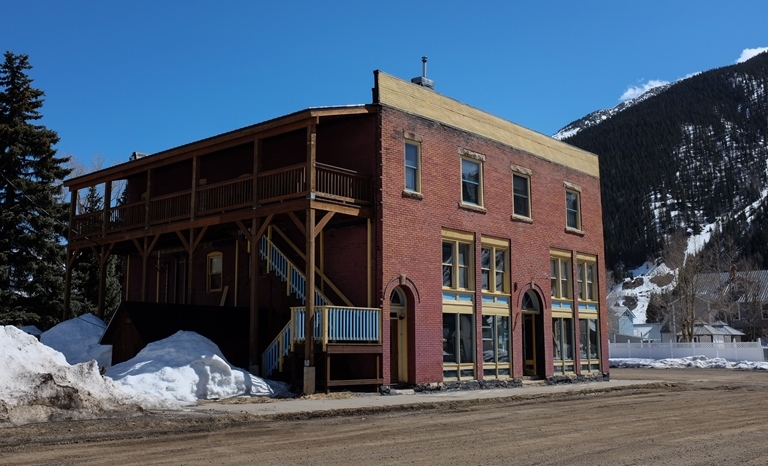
x=309 y=290
x=102 y=280
x=309 y=299
x=107 y=205
x=254 y=356
x=144 y=257
x=146 y=201
x=256 y=150
x=190 y=265
x=193 y=194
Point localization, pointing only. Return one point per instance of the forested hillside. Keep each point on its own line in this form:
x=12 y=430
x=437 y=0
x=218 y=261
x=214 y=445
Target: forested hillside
x=682 y=158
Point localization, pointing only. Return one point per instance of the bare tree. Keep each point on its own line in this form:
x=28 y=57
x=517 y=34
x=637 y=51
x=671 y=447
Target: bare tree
x=699 y=292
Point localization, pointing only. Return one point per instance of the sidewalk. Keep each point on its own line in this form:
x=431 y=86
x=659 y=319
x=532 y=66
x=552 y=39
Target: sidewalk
x=372 y=400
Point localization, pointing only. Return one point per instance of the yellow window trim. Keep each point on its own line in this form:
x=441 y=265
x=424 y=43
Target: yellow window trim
x=495 y=309
x=581 y=257
x=458 y=308
x=495 y=242
x=561 y=314
x=560 y=254
x=457 y=235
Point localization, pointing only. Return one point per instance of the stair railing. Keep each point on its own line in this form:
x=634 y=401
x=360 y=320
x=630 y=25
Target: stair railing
x=278 y=263
x=274 y=356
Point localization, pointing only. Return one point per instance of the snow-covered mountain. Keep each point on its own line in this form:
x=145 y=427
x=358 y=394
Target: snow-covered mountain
x=599 y=116
x=683 y=156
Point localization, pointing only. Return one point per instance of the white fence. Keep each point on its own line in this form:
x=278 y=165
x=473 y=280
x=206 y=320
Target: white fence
x=737 y=351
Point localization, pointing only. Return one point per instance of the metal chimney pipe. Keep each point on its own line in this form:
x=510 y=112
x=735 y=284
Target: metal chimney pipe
x=423 y=67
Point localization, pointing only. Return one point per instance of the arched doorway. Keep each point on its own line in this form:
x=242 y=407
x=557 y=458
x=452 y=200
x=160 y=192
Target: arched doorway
x=533 y=353
x=398 y=336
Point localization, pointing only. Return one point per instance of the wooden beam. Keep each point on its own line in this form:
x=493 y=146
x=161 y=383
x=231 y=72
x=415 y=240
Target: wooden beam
x=324 y=221
x=298 y=224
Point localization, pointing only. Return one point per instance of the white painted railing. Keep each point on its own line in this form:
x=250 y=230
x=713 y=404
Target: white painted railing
x=274 y=356
x=731 y=351
x=278 y=263
x=340 y=324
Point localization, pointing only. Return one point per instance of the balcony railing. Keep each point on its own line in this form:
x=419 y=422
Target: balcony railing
x=332 y=183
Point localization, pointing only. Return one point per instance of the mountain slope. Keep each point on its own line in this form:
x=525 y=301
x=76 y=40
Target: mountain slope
x=599 y=116
x=683 y=157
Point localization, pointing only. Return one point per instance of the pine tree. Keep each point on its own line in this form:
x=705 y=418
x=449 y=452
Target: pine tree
x=32 y=211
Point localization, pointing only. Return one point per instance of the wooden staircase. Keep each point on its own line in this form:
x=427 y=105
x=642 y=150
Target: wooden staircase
x=338 y=330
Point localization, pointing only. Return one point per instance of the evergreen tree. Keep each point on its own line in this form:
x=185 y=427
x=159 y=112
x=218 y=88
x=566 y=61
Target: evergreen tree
x=32 y=211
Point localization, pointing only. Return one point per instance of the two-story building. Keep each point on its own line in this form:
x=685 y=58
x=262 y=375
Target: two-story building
x=426 y=240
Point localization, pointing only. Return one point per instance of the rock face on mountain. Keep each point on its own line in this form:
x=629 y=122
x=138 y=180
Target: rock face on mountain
x=683 y=157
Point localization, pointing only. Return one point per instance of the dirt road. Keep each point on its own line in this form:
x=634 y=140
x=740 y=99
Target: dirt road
x=695 y=417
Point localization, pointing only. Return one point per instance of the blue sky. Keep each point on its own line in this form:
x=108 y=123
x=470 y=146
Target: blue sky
x=151 y=75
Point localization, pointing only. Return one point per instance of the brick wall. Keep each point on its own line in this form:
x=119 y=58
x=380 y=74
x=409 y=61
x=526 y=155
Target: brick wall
x=411 y=229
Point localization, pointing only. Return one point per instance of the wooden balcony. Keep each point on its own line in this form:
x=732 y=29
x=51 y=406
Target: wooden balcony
x=333 y=184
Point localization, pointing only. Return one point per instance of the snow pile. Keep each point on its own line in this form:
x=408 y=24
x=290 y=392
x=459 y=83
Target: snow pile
x=37 y=384
x=78 y=339
x=701 y=362
x=187 y=367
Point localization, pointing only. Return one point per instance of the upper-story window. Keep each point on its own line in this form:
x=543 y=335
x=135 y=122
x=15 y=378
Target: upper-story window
x=472 y=179
x=521 y=190
x=572 y=206
x=412 y=166
x=214 y=281
x=471 y=182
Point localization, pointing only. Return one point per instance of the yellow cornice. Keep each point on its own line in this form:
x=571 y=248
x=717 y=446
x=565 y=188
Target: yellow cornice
x=418 y=100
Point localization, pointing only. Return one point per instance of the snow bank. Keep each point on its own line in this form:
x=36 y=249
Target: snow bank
x=187 y=367
x=701 y=362
x=37 y=384
x=78 y=339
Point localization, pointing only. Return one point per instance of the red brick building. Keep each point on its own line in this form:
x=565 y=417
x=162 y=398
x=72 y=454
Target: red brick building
x=443 y=243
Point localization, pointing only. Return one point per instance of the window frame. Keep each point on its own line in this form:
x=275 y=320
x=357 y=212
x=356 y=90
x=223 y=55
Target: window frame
x=210 y=273
x=576 y=212
x=562 y=363
x=417 y=169
x=478 y=184
x=558 y=264
x=587 y=289
x=527 y=177
x=456 y=268
x=495 y=247
x=588 y=363
x=496 y=367
x=467 y=155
